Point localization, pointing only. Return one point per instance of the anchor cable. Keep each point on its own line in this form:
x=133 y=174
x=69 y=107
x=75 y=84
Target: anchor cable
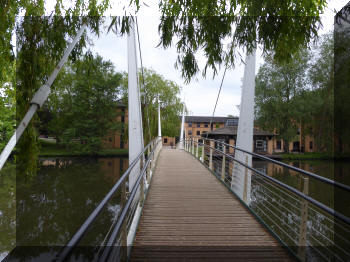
x=217 y=99
x=143 y=79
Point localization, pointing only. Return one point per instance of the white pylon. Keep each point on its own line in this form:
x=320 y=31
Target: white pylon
x=240 y=184
x=182 y=129
x=134 y=107
x=159 y=123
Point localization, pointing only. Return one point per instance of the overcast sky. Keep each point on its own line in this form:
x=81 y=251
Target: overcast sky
x=200 y=95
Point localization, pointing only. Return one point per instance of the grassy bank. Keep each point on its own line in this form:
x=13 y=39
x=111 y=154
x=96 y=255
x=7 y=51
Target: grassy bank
x=50 y=149
x=314 y=156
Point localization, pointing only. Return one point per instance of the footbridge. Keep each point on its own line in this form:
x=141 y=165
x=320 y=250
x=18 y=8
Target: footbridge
x=189 y=205
x=205 y=200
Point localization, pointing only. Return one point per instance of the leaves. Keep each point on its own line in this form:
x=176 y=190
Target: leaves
x=221 y=28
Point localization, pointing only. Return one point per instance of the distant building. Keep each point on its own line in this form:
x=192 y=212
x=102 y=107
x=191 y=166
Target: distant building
x=117 y=139
x=262 y=140
x=196 y=126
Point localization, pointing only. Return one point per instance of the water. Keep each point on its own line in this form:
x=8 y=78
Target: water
x=52 y=205
x=326 y=238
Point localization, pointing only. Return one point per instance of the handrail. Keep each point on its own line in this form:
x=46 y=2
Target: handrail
x=82 y=230
x=122 y=217
x=310 y=174
x=325 y=208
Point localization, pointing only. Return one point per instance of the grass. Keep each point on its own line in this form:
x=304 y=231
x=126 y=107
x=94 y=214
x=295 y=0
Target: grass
x=313 y=155
x=49 y=149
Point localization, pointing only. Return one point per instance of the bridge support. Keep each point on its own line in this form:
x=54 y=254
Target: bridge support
x=223 y=167
x=134 y=107
x=245 y=130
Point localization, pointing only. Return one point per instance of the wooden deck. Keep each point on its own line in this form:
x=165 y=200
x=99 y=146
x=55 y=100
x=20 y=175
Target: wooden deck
x=190 y=216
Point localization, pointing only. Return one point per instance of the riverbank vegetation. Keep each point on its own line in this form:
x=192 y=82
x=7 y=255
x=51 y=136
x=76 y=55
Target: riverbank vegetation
x=51 y=149
x=296 y=98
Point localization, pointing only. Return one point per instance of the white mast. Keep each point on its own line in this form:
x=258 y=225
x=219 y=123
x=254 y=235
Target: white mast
x=159 y=123
x=245 y=130
x=182 y=128
x=134 y=107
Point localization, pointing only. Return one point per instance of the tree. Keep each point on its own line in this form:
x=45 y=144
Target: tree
x=320 y=117
x=277 y=86
x=220 y=28
x=171 y=106
x=84 y=104
x=342 y=80
x=41 y=41
x=7 y=106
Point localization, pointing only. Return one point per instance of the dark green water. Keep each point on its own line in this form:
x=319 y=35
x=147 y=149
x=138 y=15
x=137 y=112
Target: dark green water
x=52 y=205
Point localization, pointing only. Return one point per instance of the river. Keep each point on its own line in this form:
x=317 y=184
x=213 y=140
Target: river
x=52 y=205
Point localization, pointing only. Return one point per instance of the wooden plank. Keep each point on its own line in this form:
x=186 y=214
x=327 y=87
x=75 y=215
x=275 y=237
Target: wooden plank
x=188 y=208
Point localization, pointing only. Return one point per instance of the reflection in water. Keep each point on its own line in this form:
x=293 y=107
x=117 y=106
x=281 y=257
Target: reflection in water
x=7 y=209
x=282 y=211
x=52 y=205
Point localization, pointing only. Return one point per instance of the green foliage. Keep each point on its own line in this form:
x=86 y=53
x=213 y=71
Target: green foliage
x=298 y=94
x=220 y=28
x=41 y=41
x=342 y=81
x=277 y=85
x=83 y=104
x=7 y=106
x=171 y=107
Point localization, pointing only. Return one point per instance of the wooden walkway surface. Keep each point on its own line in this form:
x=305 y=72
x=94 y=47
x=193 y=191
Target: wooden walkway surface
x=190 y=216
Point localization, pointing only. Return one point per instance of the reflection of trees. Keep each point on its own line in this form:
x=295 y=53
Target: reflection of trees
x=53 y=205
x=281 y=209
x=7 y=209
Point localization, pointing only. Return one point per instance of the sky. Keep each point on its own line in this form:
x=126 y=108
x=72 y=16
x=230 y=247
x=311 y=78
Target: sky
x=201 y=93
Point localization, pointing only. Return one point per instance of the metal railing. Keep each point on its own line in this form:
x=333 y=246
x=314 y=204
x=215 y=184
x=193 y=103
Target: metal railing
x=119 y=238
x=309 y=229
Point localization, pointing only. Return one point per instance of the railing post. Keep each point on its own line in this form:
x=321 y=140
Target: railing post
x=211 y=156
x=223 y=166
x=203 y=147
x=192 y=146
x=245 y=181
x=152 y=161
x=148 y=166
x=197 y=149
x=303 y=223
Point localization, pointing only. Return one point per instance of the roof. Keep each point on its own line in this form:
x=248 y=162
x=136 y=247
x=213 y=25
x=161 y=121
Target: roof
x=206 y=119
x=232 y=130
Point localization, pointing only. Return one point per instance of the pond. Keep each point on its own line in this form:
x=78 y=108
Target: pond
x=52 y=205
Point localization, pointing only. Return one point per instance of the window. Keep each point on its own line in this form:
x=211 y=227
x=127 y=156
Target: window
x=110 y=139
x=206 y=124
x=200 y=141
x=189 y=124
x=311 y=145
x=165 y=140
x=259 y=144
x=198 y=124
x=278 y=145
x=189 y=132
x=298 y=132
x=198 y=133
x=232 y=122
